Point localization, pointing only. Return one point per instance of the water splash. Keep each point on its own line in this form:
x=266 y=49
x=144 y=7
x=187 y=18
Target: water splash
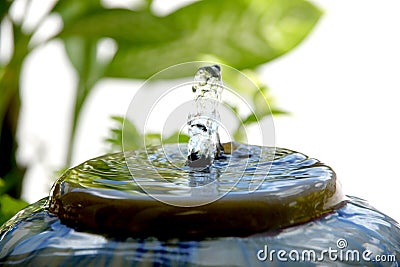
x=204 y=144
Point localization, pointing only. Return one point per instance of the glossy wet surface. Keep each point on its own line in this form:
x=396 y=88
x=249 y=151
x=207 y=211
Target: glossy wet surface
x=264 y=200
x=153 y=193
x=38 y=238
x=162 y=172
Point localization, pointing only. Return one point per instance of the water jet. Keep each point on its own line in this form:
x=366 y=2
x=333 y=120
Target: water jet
x=223 y=207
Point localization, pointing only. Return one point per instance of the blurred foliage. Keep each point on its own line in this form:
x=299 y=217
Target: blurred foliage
x=8 y=205
x=136 y=140
x=242 y=33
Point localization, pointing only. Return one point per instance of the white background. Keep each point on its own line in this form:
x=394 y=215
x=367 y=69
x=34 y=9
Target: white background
x=341 y=86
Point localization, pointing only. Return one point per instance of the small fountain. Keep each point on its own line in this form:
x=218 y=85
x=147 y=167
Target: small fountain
x=138 y=208
x=204 y=144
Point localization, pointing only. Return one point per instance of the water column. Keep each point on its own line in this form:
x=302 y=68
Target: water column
x=204 y=144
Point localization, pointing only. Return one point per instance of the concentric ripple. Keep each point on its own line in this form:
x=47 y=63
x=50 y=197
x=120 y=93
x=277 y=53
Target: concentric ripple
x=253 y=189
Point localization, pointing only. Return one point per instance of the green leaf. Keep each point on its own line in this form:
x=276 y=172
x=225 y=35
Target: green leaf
x=176 y=137
x=134 y=140
x=129 y=28
x=152 y=139
x=9 y=207
x=71 y=10
x=3 y=186
x=242 y=35
x=4 y=8
x=82 y=54
x=127 y=128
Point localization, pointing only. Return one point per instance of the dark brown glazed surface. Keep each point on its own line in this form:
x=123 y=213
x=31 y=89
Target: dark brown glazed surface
x=106 y=195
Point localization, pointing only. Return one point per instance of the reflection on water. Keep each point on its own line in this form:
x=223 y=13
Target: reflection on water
x=105 y=212
x=40 y=239
x=143 y=193
x=163 y=170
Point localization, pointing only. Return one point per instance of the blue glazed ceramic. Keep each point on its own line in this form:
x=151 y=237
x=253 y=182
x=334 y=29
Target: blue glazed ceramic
x=106 y=212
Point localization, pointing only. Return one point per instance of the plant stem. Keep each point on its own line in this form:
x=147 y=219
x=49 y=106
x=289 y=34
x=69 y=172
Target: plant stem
x=78 y=104
x=9 y=113
x=87 y=80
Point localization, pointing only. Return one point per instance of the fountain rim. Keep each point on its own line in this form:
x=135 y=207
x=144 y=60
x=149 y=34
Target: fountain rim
x=231 y=215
